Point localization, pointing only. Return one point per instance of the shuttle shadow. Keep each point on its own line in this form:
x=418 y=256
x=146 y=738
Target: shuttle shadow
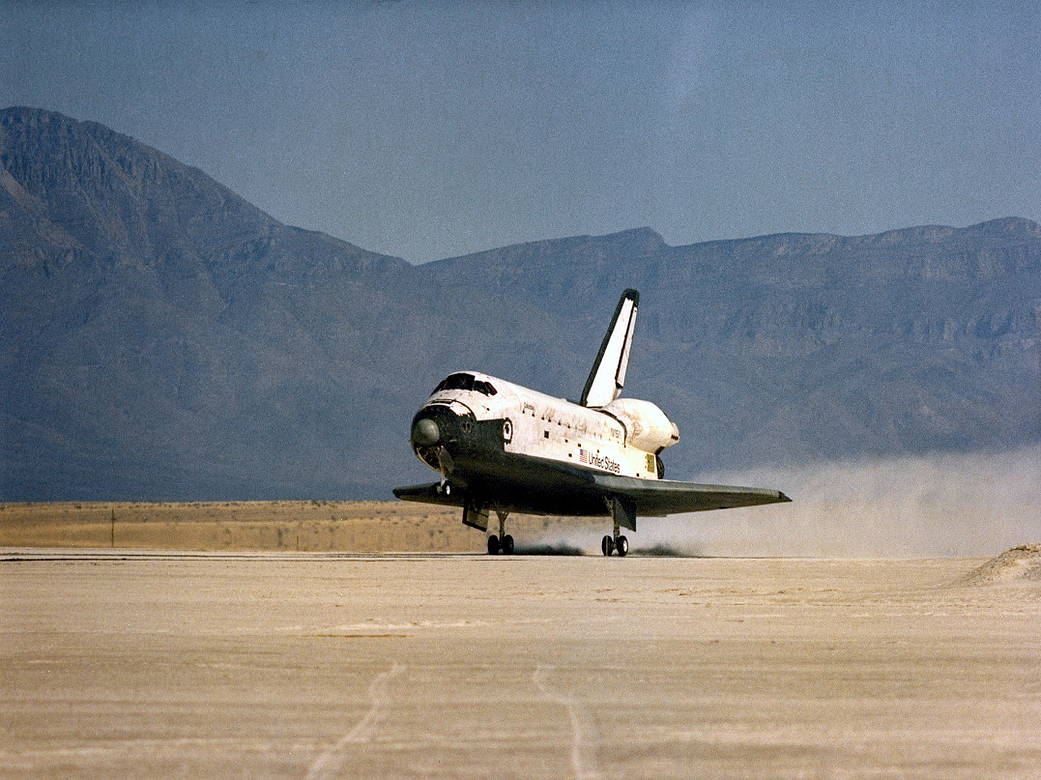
x=564 y=548
x=665 y=551
x=548 y=549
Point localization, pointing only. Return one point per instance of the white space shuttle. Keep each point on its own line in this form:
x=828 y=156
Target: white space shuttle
x=504 y=448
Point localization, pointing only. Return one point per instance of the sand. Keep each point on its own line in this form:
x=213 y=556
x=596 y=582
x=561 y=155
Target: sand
x=326 y=664
x=1021 y=564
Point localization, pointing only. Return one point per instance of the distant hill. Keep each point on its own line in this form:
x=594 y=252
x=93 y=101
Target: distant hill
x=163 y=338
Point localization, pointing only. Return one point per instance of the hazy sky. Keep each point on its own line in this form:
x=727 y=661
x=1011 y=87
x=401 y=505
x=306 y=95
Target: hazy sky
x=429 y=129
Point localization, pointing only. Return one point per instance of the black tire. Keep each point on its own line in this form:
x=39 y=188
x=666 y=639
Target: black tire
x=607 y=545
x=507 y=545
x=493 y=545
x=621 y=545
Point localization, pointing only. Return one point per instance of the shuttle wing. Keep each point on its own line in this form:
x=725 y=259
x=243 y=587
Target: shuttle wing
x=607 y=378
x=644 y=497
x=428 y=493
x=656 y=497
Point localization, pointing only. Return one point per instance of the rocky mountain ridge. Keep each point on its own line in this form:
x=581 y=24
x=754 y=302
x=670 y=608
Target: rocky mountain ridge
x=166 y=339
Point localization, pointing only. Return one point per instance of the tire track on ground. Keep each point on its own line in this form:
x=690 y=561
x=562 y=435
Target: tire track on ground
x=585 y=738
x=329 y=761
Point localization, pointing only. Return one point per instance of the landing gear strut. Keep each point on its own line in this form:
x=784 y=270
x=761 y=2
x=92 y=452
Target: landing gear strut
x=503 y=542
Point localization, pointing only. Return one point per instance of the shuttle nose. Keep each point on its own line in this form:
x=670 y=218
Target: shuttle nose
x=425 y=432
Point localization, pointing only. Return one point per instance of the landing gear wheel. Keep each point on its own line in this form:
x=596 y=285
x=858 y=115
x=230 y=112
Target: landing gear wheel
x=621 y=544
x=607 y=545
x=445 y=489
x=507 y=545
x=493 y=545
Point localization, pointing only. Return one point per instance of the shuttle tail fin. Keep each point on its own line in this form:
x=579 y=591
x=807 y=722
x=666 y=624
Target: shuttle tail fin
x=607 y=378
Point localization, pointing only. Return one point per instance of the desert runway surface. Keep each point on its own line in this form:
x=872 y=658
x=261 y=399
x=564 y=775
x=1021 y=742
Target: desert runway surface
x=134 y=663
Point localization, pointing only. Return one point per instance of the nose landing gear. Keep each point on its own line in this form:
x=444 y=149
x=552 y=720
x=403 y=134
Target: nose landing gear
x=497 y=545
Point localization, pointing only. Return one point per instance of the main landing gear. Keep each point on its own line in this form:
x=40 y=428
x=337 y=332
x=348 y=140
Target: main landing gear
x=614 y=544
x=503 y=543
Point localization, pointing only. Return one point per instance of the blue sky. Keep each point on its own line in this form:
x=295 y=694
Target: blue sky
x=426 y=130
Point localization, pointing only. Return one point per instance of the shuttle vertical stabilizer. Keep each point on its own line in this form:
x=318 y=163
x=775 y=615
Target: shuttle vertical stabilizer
x=608 y=375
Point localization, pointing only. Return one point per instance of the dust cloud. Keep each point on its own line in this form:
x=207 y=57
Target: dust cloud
x=941 y=505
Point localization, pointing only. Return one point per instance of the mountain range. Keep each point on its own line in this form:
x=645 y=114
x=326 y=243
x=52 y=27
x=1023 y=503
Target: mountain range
x=165 y=339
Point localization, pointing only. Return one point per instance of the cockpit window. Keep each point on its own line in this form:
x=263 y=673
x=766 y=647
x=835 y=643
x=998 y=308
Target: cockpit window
x=456 y=382
x=465 y=382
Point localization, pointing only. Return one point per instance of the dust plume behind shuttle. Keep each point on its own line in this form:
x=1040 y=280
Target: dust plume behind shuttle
x=934 y=505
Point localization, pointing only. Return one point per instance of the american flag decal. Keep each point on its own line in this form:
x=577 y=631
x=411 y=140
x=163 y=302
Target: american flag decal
x=598 y=461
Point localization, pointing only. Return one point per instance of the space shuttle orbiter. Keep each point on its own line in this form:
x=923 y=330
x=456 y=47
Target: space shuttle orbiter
x=505 y=448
